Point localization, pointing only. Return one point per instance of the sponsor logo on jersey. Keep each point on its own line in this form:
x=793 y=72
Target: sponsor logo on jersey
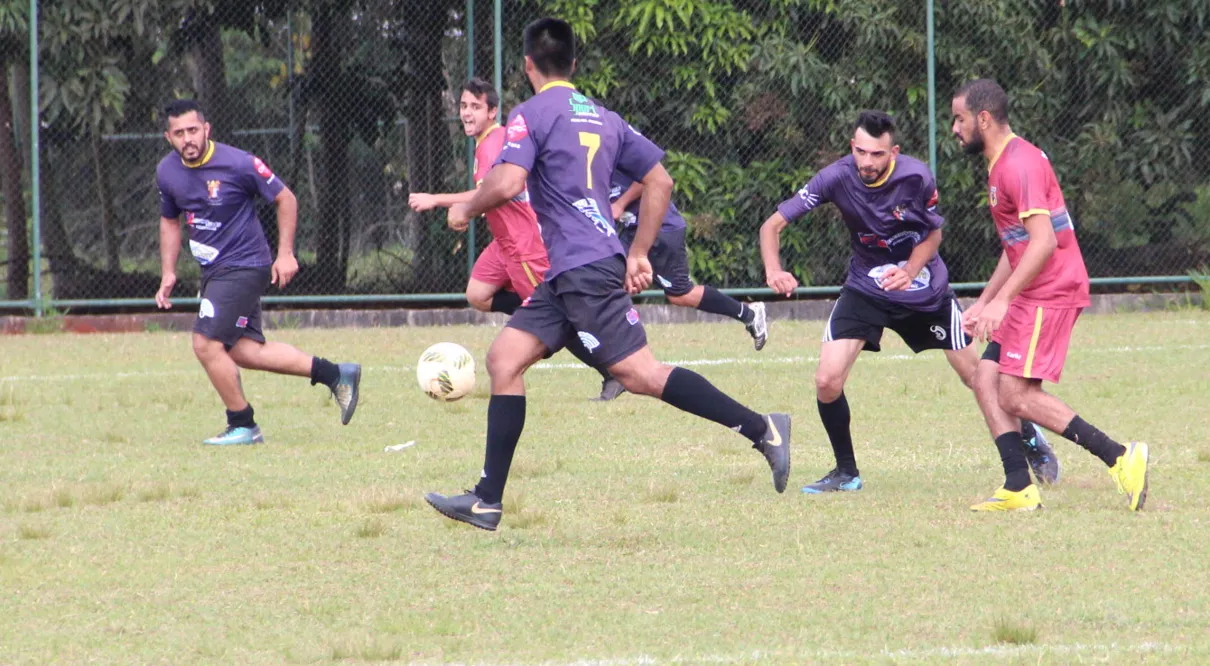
x=592 y=211
x=582 y=106
x=517 y=130
x=206 y=309
x=885 y=243
x=242 y=322
x=262 y=169
x=932 y=201
x=632 y=317
x=201 y=223
x=590 y=342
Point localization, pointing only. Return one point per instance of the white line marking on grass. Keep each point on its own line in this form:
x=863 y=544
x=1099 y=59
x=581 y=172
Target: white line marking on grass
x=548 y=365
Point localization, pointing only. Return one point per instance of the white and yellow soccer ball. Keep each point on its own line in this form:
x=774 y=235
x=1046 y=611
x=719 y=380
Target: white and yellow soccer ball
x=446 y=371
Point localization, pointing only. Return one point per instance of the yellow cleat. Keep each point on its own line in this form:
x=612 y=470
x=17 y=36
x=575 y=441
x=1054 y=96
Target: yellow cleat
x=1008 y=500
x=1130 y=474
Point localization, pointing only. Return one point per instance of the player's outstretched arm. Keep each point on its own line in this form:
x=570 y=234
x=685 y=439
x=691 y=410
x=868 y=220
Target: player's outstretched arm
x=778 y=280
x=423 y=201
x=502 y=183
x=285 y=266
x=170 y=251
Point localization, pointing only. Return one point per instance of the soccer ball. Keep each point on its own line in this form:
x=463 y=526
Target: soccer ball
x=446 y=371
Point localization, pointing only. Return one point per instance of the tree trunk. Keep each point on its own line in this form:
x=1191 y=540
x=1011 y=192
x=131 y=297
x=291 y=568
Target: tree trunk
x=328 y=43
x=204 y=61
x=109 y=234
x=14 y=199
x=64 y=266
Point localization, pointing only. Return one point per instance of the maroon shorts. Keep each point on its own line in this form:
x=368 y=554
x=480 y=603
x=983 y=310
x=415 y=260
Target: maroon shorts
x=496 y=268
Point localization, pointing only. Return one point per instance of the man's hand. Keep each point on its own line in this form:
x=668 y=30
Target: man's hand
x=166 y=284
x=422 y=201
x=896 y=279
x=781 y=282
x=616 y=210
x=284 y=269
x=638 y=274
x=457 y=219
x=969 y=316
x=989 y=319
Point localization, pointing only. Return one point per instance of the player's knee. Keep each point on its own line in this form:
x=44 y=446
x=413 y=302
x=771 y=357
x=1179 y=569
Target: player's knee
x=503 y=365
x=1014 y=403
x=204 y=348
x=646 y=379
x=828 y=386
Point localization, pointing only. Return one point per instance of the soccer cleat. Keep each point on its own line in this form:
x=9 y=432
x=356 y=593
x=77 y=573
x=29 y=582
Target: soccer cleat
x=1027 y=499
x=236 y=435
x=346 y=391
x=1130 y=474
x=1042 y=459
x=775 y=446
x=833 y=482
x=467 y=508
x=758 y=328
x=610 y=389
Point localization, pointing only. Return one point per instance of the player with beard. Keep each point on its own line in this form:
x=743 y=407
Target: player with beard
x=1030 y=304
x=213 y=186
x=896 y=280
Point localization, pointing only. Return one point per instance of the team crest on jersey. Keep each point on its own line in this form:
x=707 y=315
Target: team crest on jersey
x=991 y=195
x=212 y=190
x=632 y=317
x=897 y=212
x=517 y=129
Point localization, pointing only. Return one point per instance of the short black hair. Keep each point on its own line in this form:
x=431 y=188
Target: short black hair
x=179 y=107
x=875 y=123
x=480 y=88
x=985 y=95
x=551 y=44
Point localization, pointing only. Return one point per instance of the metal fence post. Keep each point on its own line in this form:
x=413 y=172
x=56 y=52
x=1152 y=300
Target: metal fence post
x=932 y=84
x=35 y=165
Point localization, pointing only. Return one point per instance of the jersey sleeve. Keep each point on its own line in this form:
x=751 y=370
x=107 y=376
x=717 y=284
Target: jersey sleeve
x=929 y=198
x=637 y=154
x=168 y=207
x=1025 y=184
x=812 y=195
x=520 y=145
x=262 y=178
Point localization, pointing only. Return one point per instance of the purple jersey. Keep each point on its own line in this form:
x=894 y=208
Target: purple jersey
x=217 y=198
x=672 y=217
x=571 y=147
x=886 y=221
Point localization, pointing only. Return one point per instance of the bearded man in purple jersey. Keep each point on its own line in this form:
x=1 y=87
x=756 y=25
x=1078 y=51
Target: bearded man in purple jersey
x=896 y=280
x=214 y=187
x=566 y=146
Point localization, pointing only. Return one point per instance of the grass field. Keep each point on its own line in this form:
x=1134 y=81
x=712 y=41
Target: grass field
x=633 y=533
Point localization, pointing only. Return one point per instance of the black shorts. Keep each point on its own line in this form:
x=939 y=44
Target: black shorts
x=859 y=317
x=669 y=260
x=590 y=302
x=230 y=307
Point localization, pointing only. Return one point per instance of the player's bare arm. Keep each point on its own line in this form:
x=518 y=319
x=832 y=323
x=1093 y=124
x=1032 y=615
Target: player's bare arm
x=899 y=279
x=1042 y=244
x=423 y=201
x=657 y=184
x=997 y=280
x=285 y=266
x=501 y=184
x=628 y=197
x=170 y=251
x=778 y=280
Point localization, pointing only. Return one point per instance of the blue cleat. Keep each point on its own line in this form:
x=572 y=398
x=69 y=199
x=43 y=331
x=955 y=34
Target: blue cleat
x=1042 y=459
x=346 y=390
x=234 y=436
x=834 y=481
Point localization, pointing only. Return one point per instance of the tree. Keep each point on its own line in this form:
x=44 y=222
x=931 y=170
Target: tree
x=13 y=25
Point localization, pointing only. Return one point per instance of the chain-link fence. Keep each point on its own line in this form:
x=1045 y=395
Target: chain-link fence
x=352 y=103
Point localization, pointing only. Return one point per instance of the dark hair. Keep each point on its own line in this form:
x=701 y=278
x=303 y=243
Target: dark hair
x=875 y=123
x=480 y=88
x=551 y=44
x=179 y=107
x=985 y=95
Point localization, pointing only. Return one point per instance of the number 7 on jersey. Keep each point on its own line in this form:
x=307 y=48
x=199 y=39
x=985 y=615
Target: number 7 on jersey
x=591 y=141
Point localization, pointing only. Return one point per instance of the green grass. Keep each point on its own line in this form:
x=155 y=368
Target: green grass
x=632 y=533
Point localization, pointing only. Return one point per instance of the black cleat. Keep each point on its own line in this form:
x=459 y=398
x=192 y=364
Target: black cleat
x=347 y=390
x=467 y=508
x=833 y=482
x=775 y=446
x=610 y=389
x=1042 y=459
x=758 y=328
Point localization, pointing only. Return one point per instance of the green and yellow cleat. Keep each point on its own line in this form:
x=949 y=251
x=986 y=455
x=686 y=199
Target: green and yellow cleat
x=1027 y=499
x=1130 y=474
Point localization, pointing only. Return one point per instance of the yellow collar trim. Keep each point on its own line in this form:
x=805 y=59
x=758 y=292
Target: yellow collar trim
x=479 y=139
x=557 y=84
x=992 y=162
x=885 y=177
x=203 y=159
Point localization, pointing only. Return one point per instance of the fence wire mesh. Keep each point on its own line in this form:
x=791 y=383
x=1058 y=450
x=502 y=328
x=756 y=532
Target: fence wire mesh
x=353 y=104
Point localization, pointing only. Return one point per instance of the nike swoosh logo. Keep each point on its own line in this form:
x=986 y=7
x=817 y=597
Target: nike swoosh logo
x=475 y=508
x=775 y=440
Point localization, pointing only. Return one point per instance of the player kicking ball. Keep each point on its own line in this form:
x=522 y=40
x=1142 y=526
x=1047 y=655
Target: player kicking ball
x=1030 y=304
x=896 y=280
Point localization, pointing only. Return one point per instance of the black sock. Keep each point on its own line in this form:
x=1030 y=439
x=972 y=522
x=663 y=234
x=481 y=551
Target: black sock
x=1098 y=443
x=690 y=392
x=505 y=421
x=836 y=417
x=581 y=352
x=324 y=372
x=506 y=301
x=1012 y=456
x=716 y=302
x=1027 y=430
x=241 y=419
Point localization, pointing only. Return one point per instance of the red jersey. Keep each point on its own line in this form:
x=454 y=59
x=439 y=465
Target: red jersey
x=1020 y=184
x=513 y=223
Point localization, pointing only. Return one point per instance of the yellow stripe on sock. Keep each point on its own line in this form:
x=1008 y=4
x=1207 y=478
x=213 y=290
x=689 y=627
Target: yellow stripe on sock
x=1033 y=344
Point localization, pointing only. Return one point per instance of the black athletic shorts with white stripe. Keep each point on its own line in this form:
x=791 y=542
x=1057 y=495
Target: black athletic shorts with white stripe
x=859 y=317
